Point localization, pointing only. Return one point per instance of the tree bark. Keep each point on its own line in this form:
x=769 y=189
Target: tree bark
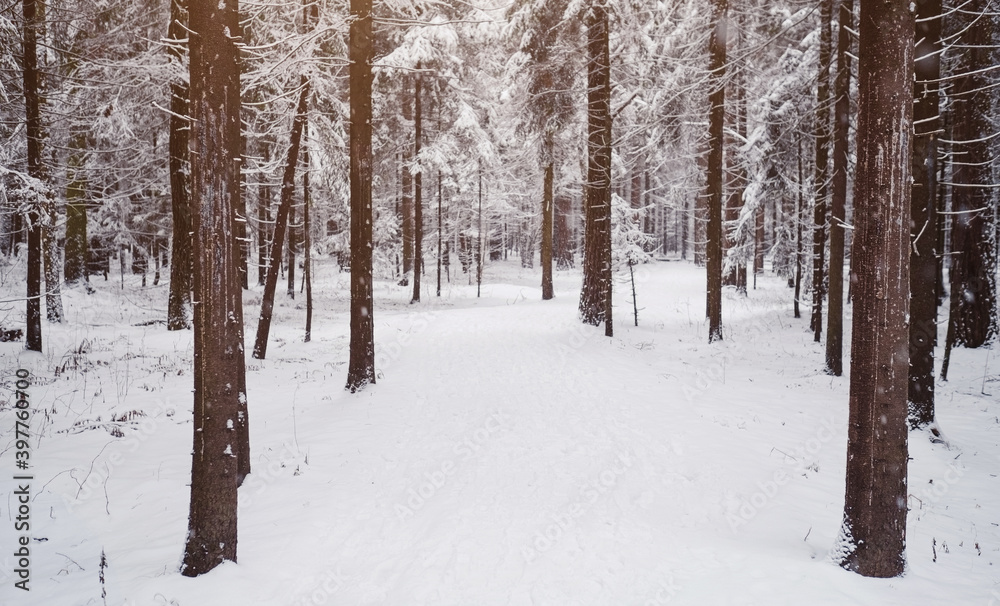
x=822 y=170
x=873 y=535
x=263 y=220
x=715 y=172
x=75 y=263
x=595 y=295
x=33 y=221
x=407 y=199
x=281 y=224
x=923 y=208
x=440 y=234
x=547 y=212
x=418 y=206
x=218 y=308
x=179 y=298
x=306 y=234
x=973 y=259
x=838 y=199
x=361 y=365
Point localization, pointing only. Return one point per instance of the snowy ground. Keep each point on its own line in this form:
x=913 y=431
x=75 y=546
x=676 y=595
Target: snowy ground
x=507 y=455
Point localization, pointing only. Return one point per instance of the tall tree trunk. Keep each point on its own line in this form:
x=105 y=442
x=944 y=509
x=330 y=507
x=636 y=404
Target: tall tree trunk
x=838 y=199
x=33 y=338
x=873 y=536
x=281 y=224
x=307 y=234
x=53 y=295
x=822 y=170
x=290 y=252
x=974 y=255
x=440 y=234
x=218 y=309
x=799 y=207
x=562 y=231
x=75 y=249
x=263 y=220
x=547 y=213
x=179 y=298
x=595 y=295
x=407 y=199
x=418 y=213
x=479 y=236
x=923 y=208
x=361 y=366
x=716 y=176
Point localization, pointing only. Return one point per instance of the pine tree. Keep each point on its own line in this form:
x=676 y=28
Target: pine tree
x=219 y=395
x=361 y=365
x=873 y=535
x=714 y=169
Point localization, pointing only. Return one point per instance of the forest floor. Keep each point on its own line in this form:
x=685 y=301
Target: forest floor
x=507 y=455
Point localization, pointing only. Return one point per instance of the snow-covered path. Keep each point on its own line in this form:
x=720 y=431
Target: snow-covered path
x=510 y=455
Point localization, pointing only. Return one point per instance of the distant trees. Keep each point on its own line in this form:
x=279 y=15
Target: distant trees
x=873 y=535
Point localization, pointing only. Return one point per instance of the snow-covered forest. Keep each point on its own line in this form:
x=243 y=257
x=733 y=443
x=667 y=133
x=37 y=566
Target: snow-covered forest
x=499 y=302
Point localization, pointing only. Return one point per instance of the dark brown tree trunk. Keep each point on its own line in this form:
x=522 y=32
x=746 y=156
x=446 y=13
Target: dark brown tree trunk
x=263 y=220
x=440 y=234
x=407 y=200
x=838 y=199
x=281 y=224
x=822 y=170
x=418 y=212
x=873 y=536
x=715 y=172
x=973 y=259
x=799 y=208
x=361 y=365
x=923 y=207
x=75 y=264
x=290 y=253
x=218 y=309
x=306 y=234
x=179 y=298
x=547 y=212
x=33 y=126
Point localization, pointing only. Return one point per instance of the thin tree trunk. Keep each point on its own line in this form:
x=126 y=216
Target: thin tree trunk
x=179 y=298
x=307 y=234
x=418 y=213
x=218 y=311
x=75 y=249
x=290 y=252
x=798 y=235
x=33 y=123
x=838 y=200
x=281 y=224
x=716 y=177
x=547 y=213
x=407 y=200
x=923 y=258
x=53 y=295
x=263 y=220
x=873 y=536
x=361 y=365
x=479 y=236
x=440 y=228
x=822 y=170
x=595 y=296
